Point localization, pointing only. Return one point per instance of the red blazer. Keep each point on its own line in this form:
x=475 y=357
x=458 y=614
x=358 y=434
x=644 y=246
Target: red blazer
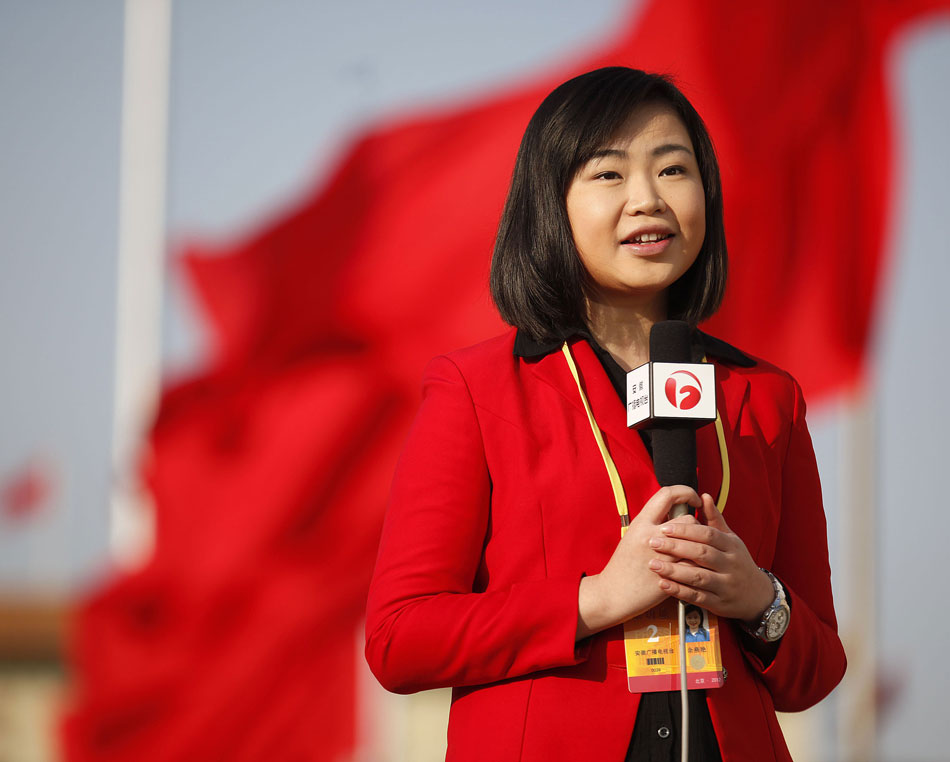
x=501 y=502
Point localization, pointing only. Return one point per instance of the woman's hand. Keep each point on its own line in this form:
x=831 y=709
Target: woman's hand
x=709 y=565
x=628 y=586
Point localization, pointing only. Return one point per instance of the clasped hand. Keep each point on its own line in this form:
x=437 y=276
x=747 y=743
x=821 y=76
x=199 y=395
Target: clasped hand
x=696 y=559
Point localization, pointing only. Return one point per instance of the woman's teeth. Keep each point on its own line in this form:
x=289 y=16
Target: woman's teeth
x=649 y=237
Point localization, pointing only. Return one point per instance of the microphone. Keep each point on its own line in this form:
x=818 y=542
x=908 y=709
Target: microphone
x=687 y=400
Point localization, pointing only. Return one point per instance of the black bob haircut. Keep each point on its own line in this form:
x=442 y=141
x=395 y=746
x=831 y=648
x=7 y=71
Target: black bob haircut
x=691 y=608
x=537 y=278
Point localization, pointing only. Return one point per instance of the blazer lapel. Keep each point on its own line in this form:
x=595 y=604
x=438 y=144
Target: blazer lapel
x=625 y=446
x=731 y=395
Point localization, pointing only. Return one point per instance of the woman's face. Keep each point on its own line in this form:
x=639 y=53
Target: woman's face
x=637 y=209
x=694 y=620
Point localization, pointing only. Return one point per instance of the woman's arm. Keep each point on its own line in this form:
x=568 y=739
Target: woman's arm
x=425 y=626
x=810 y=661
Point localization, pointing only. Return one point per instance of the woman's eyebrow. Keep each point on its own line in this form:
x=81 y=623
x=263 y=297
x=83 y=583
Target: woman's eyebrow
x=671 y=148
x=660 y=150
x=604 y=152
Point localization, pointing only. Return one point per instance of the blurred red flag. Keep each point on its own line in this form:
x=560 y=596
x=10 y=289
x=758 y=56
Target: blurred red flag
x=26 y=491
x=270 y=470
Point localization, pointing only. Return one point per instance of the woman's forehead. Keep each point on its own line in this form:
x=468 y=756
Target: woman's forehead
x=650 y=124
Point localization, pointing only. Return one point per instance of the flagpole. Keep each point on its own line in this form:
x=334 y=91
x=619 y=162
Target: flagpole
x=857 y=707
x=141 y=262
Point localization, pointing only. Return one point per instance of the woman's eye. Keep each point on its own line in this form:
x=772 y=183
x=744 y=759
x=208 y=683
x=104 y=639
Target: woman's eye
x=675 y=170
x=608 y=175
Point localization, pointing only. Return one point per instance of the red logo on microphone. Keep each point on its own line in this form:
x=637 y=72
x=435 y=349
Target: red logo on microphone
x=683 y=390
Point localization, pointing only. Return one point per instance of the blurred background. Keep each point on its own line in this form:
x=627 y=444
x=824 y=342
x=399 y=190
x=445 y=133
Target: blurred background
x=155 y=157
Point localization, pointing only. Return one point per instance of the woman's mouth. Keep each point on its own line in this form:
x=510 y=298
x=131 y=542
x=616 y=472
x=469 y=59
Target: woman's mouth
x=647 y=244
x=647 y=238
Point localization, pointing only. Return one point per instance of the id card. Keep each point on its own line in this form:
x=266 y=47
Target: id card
x=651 y=642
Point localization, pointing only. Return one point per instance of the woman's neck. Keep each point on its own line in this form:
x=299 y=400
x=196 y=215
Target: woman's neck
x=624 y=329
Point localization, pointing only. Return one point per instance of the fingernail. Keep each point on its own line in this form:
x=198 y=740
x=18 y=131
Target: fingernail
x=655 y=542
x=654 y=564
x=666 y=529
x=664 y=585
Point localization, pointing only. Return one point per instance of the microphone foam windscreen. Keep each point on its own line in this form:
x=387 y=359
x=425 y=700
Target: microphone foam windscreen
x=674 y=444
x=669 y=342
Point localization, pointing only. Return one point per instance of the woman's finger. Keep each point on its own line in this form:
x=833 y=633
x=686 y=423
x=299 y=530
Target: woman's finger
x=657 y=507
x=690 y=575
x=701 y=553
x=695 y=533
x=686 y=518
x=711 y=515
x=687 y=594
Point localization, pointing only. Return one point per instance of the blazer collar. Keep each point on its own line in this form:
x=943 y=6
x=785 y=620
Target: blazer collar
x=703 y=345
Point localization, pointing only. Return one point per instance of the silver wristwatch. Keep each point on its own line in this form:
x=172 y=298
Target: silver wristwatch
x=775 y=619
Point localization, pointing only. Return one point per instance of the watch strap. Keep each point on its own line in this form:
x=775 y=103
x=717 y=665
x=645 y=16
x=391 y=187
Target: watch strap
x=778 y=604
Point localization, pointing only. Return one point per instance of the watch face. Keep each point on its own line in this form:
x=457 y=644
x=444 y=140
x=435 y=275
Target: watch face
x=778 y=621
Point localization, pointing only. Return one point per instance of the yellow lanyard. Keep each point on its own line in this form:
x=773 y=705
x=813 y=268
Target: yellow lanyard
x=619 y=497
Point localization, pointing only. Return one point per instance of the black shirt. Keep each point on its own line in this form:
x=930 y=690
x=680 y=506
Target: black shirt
x=656 y=735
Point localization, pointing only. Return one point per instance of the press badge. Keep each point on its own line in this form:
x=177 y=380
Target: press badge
x=652 y=641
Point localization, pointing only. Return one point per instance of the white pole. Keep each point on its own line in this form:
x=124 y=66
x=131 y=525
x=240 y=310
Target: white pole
x=140 y=267
x=857 y=725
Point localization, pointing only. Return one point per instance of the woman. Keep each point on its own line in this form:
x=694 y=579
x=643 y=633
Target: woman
x=500 y=571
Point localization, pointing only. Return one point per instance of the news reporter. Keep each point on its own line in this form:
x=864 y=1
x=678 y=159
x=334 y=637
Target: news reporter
x=500 y=572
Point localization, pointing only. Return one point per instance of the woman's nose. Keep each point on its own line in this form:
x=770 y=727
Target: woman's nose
x=644 y=198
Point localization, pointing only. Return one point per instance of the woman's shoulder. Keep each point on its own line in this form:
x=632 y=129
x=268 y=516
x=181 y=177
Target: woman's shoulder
x=485 y=373
x=765 y=379
x=744 y=363
x=491 y=356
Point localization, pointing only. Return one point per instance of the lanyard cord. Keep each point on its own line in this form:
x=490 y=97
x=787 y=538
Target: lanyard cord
x=724 y=455
x=619 y=497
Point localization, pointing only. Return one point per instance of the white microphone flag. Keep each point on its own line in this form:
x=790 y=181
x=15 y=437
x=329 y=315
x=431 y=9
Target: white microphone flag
x=671 y=391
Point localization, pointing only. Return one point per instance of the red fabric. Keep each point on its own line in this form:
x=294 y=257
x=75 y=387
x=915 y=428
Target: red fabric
x=25 y=492
x=500 y=504
x=270 y=470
